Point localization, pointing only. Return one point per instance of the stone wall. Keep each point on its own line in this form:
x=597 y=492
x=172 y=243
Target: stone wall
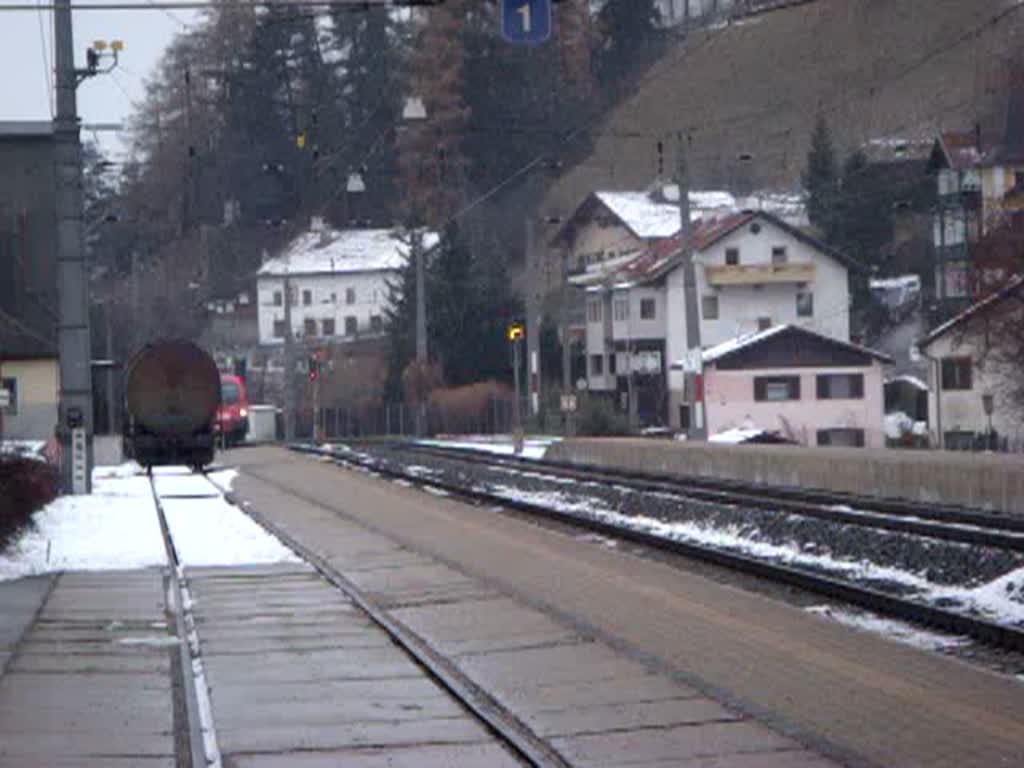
x=990 y=481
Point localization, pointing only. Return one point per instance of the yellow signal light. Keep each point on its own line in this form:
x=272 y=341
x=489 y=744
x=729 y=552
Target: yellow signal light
x=117 y=45
x=516 y=332
x=99 y=45
x=300 y=140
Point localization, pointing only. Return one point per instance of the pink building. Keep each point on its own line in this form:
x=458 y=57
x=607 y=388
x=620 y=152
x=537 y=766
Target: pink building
x=810 y=388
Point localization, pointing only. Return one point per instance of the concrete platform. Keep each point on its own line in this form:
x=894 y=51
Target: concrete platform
x=299 y=677
x=90 y=682
x=572 y=637
x=596 y=705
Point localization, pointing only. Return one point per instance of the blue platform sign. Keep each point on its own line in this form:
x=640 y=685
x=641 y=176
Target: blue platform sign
x=526 y=22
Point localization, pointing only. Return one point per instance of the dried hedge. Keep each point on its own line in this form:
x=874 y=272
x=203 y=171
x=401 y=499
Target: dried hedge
x=26 y=485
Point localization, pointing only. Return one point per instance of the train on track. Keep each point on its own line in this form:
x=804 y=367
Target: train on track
x=173 y=398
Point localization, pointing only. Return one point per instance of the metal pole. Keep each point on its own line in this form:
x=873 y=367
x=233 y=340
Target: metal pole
x=533 y=316
x=689 y=286
x=289 y=363
x=516 y=365
x=421 y=298
x=111 y=378
x=75 y=427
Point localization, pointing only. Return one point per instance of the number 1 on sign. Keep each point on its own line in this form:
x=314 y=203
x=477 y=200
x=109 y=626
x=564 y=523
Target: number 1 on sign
x=526 y=12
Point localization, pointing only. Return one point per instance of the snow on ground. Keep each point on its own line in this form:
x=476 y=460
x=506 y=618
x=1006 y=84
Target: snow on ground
x=114 y=528
x=210 y=531
x=533 y=447
x=207 y=530
x=897 y=630
x=1001 y=600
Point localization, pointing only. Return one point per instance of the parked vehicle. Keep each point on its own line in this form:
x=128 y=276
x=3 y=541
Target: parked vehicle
x=172 y=393
x=233 y=414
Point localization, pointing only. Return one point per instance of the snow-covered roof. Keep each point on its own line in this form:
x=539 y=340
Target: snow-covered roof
x=732 y=345
x=717 y=352
x=650 y=218
x=735 y=436
x=903 y=281
x=333 y=251
x=1013 y=285
x=906 y=378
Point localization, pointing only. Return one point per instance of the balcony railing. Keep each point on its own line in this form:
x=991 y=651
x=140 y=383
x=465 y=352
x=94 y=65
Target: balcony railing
x=750 y=274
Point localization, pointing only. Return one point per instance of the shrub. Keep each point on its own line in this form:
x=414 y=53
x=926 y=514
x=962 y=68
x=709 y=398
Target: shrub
x=26 y=485
x=597 y=417
x=470 y=408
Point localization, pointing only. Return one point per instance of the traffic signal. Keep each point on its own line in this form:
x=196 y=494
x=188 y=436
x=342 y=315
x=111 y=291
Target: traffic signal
x=516 y=331
x=314 y=368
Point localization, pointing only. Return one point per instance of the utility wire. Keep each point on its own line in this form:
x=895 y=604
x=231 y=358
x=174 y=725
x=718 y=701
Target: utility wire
x=47 y=64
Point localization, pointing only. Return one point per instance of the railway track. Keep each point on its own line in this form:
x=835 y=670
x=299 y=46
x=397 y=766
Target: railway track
x=939 y=522
x=982 y=630
x=529 y=748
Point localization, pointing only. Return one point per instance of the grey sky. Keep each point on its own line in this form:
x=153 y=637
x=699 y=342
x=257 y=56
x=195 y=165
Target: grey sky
x=108 y=98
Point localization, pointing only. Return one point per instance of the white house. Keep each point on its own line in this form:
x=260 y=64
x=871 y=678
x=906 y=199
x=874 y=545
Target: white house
x=339 y=280
x=975 y=372
x=752 y=271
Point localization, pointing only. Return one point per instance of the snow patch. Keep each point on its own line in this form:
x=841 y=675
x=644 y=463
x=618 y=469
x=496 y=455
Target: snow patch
x=114 y=528
x=897 y=630
x=533 y=448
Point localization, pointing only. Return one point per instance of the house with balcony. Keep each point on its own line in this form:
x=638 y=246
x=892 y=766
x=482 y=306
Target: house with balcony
x=339 y=284
x=752 y=271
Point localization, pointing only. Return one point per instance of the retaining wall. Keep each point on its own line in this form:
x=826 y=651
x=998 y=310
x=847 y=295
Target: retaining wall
x=988 y=481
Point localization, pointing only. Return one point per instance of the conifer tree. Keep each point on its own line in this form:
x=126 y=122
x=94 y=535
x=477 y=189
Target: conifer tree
x=821 y=179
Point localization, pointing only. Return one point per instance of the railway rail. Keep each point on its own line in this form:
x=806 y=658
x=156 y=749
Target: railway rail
x=982 y=630
x=523 y=743
x=941 y=522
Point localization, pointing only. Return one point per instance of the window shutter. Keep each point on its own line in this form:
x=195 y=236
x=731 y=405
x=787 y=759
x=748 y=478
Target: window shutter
x=857 y=388
x=759 y=387
x=794 y=387
x=965 y=380
x=822 y=387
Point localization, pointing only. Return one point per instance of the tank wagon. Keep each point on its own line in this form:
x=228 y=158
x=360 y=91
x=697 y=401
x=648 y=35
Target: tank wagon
x=172 y=394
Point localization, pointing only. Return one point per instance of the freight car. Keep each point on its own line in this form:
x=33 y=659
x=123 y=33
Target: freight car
x=172 y=393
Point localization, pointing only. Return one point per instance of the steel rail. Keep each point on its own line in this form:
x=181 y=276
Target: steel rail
x=987 y=632
x=961 y=526
x=196 y=741
x=507 y=728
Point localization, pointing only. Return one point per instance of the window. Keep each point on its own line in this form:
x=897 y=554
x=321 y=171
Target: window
x=351 y=326
x=229 y=392
x=804 y=304
x=328 y=326
x=621 y=309
x=709 y=307
x=293 y=295
x=376 y=323
x=764 y=323
x=613 y=363
x=776 y=388
x=841 y=386
x=732 y=256
x=594 y=311
x=309 y=326
x=11 y=385
x=350 y=295
x=334 y=298
x=278 y=298
x=956 y=373
x=307 y=298
x=279 y=329
x=779 y=255
x=845 y=438
x=648 y=309
x=597 y=365
x=684 y=417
